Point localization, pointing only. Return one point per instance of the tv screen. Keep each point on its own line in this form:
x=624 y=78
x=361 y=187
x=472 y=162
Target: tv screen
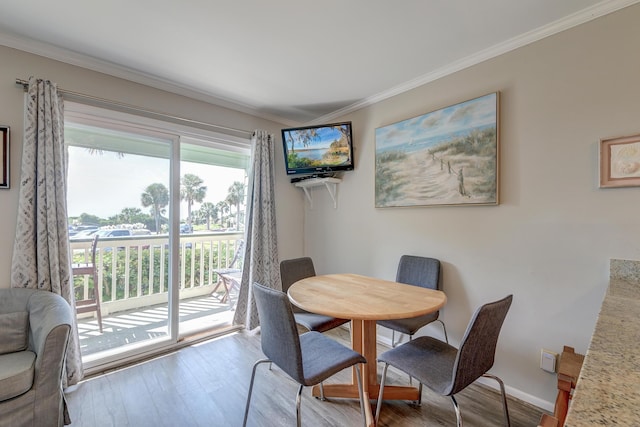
x=319 y=149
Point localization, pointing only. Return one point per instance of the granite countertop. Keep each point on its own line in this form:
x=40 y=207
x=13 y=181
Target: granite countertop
x=608 y=389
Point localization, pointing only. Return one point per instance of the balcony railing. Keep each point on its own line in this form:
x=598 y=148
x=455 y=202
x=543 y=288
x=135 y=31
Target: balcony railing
x=133 y=271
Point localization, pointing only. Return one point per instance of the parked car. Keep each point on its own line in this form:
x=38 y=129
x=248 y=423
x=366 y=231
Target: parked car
x=83 y=234
x=114 y=232
x=186 y=229
x=123 y=232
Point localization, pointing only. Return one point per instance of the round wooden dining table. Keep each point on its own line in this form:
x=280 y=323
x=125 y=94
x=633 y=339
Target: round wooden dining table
x=364 y=300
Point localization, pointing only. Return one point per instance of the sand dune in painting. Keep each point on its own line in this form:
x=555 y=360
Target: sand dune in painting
x=426 y=181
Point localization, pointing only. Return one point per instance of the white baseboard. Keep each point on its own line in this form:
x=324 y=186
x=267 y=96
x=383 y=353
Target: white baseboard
x=518 y=394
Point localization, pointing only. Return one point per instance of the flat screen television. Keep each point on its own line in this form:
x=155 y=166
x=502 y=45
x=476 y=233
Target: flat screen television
x=318 y=150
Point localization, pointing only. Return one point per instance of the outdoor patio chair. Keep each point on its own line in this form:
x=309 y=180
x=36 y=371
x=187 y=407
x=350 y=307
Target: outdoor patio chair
x=89 y=268
x=229 y=278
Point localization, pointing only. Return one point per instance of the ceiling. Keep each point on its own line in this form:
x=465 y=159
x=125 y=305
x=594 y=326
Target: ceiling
x=293 y=61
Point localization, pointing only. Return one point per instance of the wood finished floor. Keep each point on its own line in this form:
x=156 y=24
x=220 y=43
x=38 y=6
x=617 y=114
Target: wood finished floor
x=206 y=385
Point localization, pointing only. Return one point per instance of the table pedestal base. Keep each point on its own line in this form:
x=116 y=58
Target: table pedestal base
x=363 y=340
x=350 y=391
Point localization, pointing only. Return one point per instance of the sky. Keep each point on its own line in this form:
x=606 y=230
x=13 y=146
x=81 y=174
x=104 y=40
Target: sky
x=103 y=184
x=325 y=136
x=433 y=127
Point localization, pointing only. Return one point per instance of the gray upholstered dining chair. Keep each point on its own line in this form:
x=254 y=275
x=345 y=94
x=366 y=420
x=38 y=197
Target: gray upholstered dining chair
x=291 y=271
x=447 y=370
x=308 y=359
x=416 y=271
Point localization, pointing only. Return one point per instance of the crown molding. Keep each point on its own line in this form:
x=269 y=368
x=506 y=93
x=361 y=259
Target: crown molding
x=596 y=11
x=91 y=63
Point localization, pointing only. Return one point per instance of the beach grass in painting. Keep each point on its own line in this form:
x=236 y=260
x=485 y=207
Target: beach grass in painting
x=446 y=157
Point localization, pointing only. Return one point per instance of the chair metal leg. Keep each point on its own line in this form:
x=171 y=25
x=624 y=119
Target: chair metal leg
x=416 y=403
x=253 y=376
x=298 y=401
x=394 y=343
x=444 y=329
x=458 y=414
x=381 y=392
x=361 y=394
x=505 y=408
x=322 y=393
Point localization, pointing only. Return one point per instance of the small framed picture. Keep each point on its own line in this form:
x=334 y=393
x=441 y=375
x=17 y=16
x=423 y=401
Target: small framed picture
x=4 y=156
x=620 y=162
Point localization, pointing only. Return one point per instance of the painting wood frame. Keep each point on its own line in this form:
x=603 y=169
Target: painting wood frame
x=4 y=156
x=620 y=162
x=447 y=157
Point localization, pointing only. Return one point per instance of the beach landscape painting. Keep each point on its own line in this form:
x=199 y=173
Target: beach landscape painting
x=445 y=157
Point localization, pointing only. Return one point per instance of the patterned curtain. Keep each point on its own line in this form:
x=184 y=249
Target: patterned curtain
x=41 y=254
x=261 y=249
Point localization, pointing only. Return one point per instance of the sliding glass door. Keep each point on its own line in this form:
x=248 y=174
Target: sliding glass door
x=168 y=210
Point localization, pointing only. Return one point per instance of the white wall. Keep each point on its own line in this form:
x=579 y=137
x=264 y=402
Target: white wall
x=17 y=64
x=550 y=240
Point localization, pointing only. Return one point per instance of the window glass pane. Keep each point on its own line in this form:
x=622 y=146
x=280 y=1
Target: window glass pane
x=124 y=195
x=212 y=211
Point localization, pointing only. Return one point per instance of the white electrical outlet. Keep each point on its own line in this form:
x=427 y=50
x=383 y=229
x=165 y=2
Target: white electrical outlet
x=548 y=360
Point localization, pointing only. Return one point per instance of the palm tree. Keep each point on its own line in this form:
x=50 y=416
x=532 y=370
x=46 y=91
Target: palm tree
x=223 y=208
x=192 y=191
x=156 y=196
x=236 y=197
x=199 y=217
x=208 y=210
x=93 y=150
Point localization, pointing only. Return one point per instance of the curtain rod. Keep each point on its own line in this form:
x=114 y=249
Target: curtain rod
x=77 y=95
